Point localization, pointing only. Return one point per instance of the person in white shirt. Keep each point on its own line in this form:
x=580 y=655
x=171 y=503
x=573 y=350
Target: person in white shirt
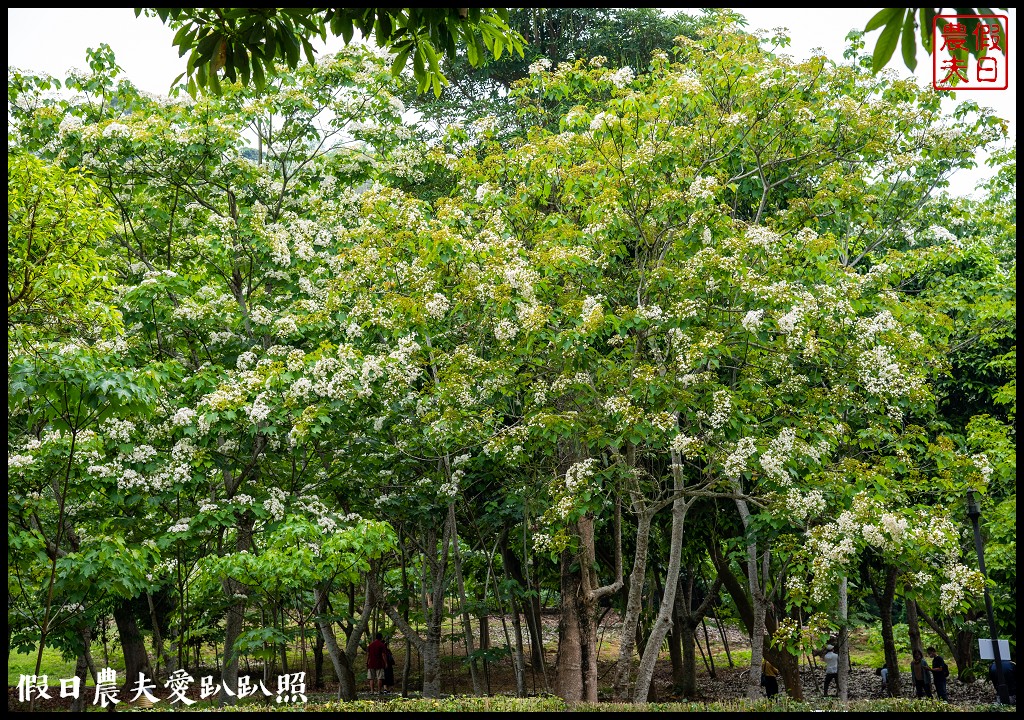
x=831 y=669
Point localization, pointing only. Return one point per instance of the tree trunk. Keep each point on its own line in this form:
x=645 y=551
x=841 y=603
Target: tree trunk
x=634 y=598
x=688 y=686
x=518 y=661
x=529 y=606
x=342 y=669
x=758 y=603
x=914 y=628
x=569 y=665
x=843 y=678
x=318 y=660
x=82 y=670
x=664 y=620
x=232 y=629
x=435 y=570
x=136 y=660
x=675 y=652
x=461 y=585
x=884 y=600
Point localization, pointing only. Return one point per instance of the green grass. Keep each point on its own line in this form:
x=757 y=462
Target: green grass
x=504 y=703
x=54 y=667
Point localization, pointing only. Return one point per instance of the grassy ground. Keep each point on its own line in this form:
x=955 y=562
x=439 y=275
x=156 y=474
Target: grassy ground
x=54 y=666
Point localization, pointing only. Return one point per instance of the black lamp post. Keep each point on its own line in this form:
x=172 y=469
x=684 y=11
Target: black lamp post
x=974 y=512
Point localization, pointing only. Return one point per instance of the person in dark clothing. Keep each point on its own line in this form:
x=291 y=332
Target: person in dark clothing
x=940 y=673
x=389 y=668
x=769 y=679
x=375 y=663
x=922 y=676
x=1009 y=677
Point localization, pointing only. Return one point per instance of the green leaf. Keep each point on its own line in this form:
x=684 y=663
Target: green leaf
x=927 y=18
x=398 y=64
x=886 y=44
x=883 y=17
x=258 y=78
x=909 y=42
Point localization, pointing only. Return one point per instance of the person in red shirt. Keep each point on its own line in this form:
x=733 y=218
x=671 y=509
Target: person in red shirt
x=375 y=663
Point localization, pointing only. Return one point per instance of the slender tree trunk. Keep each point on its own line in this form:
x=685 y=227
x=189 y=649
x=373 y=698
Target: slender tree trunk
x=518 y=660
x=884 y=601
x=232 y=630
x=843 y=679
x=914 y=628
x=461 y=585
x=530 y=607
x=82 y=670
x=318 y=660
x=631 y=617
x=758 y=602
x=675 y=650
x=688 y=687
x=664 y=620
x=346 y=679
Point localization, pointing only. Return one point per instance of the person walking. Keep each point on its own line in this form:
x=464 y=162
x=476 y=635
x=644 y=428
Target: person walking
x=375 y=663
x=922 y=676
x=831 y=669
x=389 y=668
x=940 y=673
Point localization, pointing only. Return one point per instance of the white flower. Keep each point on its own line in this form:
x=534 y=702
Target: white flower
x=505 y=331
x=689 y=83
x=684 y=444
x=736 y=463
x=752 y=320
x=539 y=66
x=600 y=120
x=702 y=188
x=259 y=411
x=621 y=77
x=183 y=417
x=437 y=306
x=15 y=462
x=483 y=191
x=116 y=129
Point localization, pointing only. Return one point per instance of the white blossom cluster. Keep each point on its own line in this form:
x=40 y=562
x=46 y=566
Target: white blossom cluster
x=689 y=83
x=981 y=462
x=722 y=409
x=592 y=313
x=736 y=462
x=601 y=119
x=541 y=65
x=449 y=489
x=18 y=462
x=505 y=332
x=650 y=312
x=179 y=527
x=259 y=410
x=801 y=505
x=119 y=430
x=760 y=236
x=752 y=320
x=576 y=479
x=882 y=374
x=685 y=445
x=621 y=77
x=962 y=580
x=702 y=188
x=868 y=328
